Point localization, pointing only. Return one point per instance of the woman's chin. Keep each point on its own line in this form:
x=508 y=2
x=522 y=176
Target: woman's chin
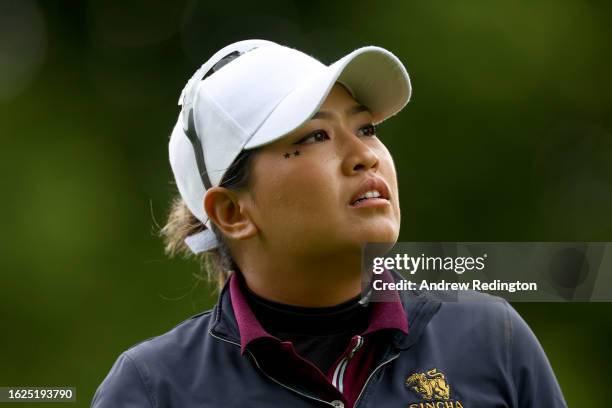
x=377 y=233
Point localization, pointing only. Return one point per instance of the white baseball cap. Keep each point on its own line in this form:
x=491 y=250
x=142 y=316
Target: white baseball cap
x=263 y=92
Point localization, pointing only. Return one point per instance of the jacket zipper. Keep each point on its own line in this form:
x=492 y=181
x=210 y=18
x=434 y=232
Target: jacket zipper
x=271 y=378
x=370 y=377
x=338 y=377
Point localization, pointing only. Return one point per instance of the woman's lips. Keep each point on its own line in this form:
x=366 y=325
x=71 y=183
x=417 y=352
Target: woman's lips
x=371 y=203
x=372 y=192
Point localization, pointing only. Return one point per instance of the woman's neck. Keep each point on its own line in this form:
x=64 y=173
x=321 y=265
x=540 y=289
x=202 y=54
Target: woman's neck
x=323 y=282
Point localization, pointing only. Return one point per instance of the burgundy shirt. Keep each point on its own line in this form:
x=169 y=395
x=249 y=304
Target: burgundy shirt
x=345 y=379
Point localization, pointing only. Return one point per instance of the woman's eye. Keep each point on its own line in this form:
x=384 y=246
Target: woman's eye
x=314 y=137
x=368 y=130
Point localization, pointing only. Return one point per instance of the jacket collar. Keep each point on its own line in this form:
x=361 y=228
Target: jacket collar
x=415 y=308
x=420 y=308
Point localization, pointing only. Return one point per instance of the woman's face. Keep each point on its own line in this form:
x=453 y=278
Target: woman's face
x=305 y=187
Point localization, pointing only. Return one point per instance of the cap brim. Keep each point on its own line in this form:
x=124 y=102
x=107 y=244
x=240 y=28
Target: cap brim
x=376 y=77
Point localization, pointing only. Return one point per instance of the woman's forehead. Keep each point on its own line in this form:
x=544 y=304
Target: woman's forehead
x=339 y=101
x=339 y=94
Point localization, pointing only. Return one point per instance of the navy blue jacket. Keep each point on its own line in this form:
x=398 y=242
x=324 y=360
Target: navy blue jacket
x=457 y=354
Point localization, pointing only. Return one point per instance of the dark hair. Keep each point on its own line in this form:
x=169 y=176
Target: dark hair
x=218 y=264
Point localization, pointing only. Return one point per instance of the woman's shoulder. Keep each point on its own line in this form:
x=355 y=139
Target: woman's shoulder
x=479 y=316
x=487 y=324
x=141 y=370
x=175 y=343
x=488 y=329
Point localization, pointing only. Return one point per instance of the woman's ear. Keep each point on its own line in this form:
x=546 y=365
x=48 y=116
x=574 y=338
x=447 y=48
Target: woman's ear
x=225 y=209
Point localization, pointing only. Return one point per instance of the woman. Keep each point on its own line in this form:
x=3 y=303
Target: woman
x=282 y=178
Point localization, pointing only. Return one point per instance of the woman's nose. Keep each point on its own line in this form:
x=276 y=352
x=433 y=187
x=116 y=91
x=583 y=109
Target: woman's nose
x=358 y=155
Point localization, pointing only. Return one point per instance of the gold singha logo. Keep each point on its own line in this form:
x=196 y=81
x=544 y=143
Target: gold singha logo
x=429 y=386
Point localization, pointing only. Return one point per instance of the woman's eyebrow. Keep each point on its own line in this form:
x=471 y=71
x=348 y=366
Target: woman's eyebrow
x=353 y=110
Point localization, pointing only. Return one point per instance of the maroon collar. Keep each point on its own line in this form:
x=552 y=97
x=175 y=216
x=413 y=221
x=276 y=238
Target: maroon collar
x=385 y=315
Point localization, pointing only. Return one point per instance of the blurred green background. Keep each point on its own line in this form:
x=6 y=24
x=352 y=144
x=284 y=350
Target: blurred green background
x=508 y=137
